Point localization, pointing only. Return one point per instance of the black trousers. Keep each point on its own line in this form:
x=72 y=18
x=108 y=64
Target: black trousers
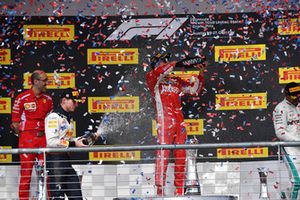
x=63 y=179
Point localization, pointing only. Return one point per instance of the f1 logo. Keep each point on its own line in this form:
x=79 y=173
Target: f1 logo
x=162 y=27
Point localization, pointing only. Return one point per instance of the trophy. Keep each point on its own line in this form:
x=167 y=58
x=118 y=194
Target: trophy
x=41 y=191
x=90 y=138
x=263 y=193
x=192 y=184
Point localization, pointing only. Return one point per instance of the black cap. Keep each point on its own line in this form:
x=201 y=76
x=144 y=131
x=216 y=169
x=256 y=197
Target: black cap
x=292 y=89
x=71 y=93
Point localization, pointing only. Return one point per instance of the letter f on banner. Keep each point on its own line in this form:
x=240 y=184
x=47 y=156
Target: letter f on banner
x=162 y=27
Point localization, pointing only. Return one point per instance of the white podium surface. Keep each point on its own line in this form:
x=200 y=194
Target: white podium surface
x=215 y=197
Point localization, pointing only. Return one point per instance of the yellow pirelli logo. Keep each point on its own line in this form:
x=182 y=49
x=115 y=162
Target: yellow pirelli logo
x=185 y=75
x=289 y=26
x=115 y=156
x=115 y=104
x=243 y=101
x=5 y=158
x=48 y=32
x=260 y=152
x=5 y=105
x=55 y=81
x=193 y=127
x=240 y=53
x=113 y=56
x=5 y=57
x=287 y=75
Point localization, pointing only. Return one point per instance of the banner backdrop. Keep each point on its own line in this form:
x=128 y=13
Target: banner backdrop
x=250 y=58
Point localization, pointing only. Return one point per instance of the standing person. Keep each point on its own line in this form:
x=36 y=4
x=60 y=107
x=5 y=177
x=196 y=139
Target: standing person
x=59 y=130
x=286 y=119
x=29 y=111
x=166 y=92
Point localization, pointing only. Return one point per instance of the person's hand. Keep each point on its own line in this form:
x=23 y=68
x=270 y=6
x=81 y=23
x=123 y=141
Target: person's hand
x=15 y=126
x=80 y=142
x=201 y=67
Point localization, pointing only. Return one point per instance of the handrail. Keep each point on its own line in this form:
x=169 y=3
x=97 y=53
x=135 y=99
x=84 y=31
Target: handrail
x=148 y=147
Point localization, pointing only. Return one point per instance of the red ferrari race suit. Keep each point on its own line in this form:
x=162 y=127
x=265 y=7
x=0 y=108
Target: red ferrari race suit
x=166 y=92
x=30 y=112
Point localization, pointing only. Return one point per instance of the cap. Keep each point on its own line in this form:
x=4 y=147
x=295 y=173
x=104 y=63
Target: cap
x=71 y=93
x=292 y=89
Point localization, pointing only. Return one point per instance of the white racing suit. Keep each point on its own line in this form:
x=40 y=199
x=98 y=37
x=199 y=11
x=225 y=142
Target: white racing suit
x=286 y=118
x=63 y=179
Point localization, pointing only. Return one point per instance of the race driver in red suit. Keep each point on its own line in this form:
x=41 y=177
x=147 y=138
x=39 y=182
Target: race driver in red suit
x=29 y=111
x=166 y=92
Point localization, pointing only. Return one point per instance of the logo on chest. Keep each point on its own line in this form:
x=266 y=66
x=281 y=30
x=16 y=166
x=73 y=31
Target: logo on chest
x=170 y=89
x=30 y=106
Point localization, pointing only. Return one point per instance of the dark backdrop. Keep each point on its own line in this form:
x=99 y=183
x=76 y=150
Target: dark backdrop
x=191 y=38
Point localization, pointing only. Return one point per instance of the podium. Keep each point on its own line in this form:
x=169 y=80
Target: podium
x=194 y=197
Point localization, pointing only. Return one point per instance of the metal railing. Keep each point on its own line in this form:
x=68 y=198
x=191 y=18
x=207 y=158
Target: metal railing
x=100 y=180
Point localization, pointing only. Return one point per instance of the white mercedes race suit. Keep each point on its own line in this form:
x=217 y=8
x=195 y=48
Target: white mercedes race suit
x=286 y=118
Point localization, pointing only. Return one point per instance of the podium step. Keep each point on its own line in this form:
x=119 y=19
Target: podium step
x=215 y=197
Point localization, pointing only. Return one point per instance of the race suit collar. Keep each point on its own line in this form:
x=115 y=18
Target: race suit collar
x=37 y=96
x=63 y=113
x=289 y=103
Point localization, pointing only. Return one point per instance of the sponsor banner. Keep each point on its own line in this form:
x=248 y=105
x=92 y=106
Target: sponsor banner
x=115 y=156
x=5 y=57
x=244 y=101
x=113 y=104
x=162 y=28
x=259 y=152
x=113 y=56
x=233 y=53
x=287 y=75
x=193 y=127
x=224 y=26
x=55 y=80
x=48 y=32
x=289 y=26
x=5 y=158
x=185 y=75
x=5 y=105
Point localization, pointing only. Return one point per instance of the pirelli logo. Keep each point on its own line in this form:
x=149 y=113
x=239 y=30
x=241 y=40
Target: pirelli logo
x=185 y=75
x=48 y=32
x=193 y=127
x=234 y=153
x=240 y=53
x=5 y=105
x=113 y=56
x=115 y=104
x=243 y=101
x=5 y=57
x=5 y=158
x=287 y=75
x=115 y=156
x=289 y=26
x=55 y=81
